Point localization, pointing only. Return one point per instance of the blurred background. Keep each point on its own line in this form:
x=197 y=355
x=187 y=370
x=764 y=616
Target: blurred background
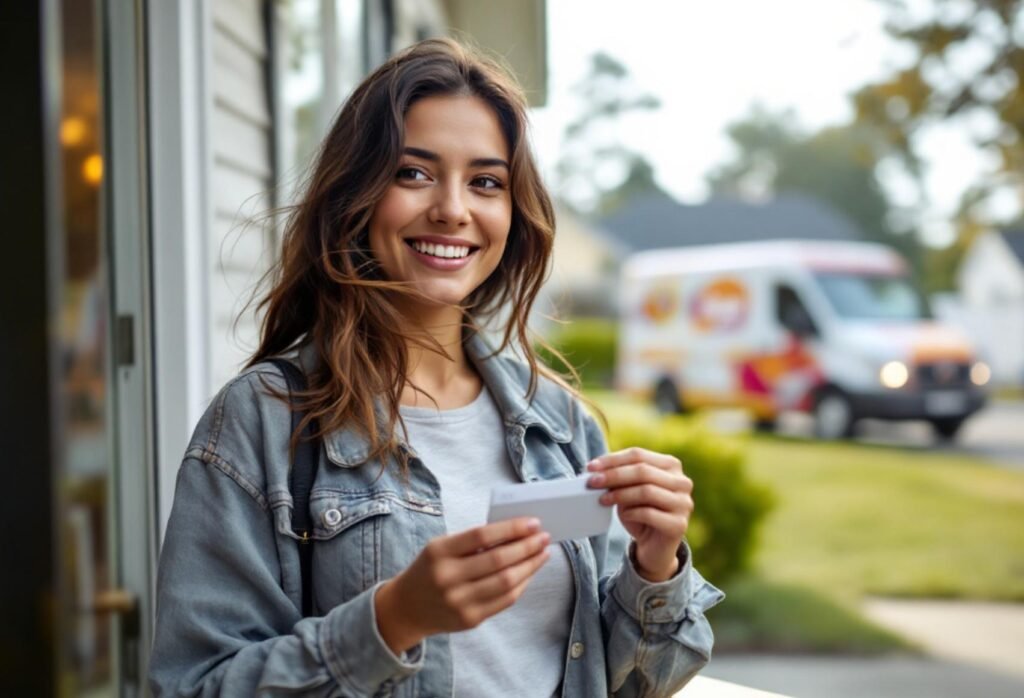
x=790 y=251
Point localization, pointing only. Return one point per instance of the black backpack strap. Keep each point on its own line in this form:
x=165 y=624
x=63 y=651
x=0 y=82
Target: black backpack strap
x=567 y=450
x=300 y=482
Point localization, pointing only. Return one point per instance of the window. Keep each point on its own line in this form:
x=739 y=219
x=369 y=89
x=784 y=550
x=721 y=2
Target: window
x=792 y=314
x=866 y=296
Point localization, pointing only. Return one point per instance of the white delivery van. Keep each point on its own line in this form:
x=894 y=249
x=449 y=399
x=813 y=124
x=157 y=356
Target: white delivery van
x=835 y=329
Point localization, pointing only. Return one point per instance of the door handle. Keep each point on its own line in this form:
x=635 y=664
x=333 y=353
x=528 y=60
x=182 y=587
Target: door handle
x=117 y=601
x=125 y=604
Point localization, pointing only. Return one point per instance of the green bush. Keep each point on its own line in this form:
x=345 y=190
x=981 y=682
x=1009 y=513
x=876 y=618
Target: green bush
x=729 y=506
x=589 y=345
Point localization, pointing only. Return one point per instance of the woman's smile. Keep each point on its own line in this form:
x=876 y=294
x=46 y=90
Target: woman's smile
x=440 y=254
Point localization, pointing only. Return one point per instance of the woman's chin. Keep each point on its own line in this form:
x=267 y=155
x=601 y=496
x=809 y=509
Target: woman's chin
x=437 y=300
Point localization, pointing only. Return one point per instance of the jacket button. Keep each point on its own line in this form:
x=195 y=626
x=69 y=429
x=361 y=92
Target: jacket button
x=332 y=517
x=657 y=603
x=576 y=651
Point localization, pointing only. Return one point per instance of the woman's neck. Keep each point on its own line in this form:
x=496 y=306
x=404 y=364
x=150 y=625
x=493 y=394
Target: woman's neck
x=451 y=381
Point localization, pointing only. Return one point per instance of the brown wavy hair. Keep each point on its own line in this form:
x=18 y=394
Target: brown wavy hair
x=327 y=289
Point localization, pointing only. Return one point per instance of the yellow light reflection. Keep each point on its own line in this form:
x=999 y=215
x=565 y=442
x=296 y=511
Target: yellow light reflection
x=92 y=169
x=72 y=131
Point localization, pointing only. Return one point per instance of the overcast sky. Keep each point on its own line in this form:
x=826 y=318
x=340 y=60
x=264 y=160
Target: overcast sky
x=709 y=61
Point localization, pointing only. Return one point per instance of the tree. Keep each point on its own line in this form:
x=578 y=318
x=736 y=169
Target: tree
x=940 y=84
x=596 y=172
x=968 y=64
x=836 y=165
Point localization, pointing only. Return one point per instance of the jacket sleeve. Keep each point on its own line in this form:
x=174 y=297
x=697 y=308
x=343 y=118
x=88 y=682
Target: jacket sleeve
x=225 y=626
x=656 y=636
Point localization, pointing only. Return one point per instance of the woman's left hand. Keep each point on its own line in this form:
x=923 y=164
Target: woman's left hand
x=655 y=502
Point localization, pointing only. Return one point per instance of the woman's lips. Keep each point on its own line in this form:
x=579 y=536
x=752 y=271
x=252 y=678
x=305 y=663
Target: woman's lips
x=442 y=264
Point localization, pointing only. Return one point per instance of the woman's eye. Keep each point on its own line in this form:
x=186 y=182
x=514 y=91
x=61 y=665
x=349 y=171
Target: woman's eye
x=487 y=182
x=412 y=174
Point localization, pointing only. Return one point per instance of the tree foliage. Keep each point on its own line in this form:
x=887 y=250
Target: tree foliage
x=596 y=171
x=968 y=64
x=836 y=165
x=968 y=61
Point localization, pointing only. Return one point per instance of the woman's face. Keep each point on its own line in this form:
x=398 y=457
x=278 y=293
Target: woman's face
x=444 y=221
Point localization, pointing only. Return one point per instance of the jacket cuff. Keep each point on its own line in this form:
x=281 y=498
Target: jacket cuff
x=356 y=654
x=654 y=602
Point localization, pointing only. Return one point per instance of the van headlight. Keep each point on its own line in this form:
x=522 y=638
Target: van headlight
x=980 y=373
x=894 y=374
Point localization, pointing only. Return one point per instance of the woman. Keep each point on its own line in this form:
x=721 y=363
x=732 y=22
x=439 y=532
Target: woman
x=423 y=218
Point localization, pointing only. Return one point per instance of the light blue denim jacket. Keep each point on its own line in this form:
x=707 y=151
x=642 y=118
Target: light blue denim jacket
x=228 y=588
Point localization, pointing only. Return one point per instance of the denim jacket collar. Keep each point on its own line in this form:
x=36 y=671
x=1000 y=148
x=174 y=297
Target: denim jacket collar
x=505 y=377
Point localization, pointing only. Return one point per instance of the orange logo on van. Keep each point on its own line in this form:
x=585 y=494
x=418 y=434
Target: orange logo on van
x=660 y=303
x=720 y=306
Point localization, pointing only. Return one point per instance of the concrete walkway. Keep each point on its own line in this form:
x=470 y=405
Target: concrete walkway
x=984 y=634
x=976 y=649
x=859 y=677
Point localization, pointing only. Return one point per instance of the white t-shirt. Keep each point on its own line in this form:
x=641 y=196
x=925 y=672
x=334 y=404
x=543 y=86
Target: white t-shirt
x=520 y=651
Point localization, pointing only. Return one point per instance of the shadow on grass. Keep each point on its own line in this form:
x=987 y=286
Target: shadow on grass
x=762 y=616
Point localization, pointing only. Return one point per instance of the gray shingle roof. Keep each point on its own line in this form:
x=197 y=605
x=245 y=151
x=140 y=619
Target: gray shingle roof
x=1015 y=241
x=656 y=221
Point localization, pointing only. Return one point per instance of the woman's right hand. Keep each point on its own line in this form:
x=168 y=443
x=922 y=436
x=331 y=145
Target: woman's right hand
x=460 y=580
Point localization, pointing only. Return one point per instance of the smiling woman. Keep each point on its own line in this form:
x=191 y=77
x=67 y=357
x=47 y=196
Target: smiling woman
x=424 y=219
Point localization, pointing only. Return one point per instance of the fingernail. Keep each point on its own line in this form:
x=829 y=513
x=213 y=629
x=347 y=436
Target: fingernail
x=595 y=481
x=594 y=464
x=533 y=524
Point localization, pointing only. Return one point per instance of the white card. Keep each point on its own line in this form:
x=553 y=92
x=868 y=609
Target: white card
x=567 y=508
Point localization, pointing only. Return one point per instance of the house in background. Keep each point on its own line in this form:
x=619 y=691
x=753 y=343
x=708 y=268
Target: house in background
x=657 y=221
x=584 y=272
x=991 y=283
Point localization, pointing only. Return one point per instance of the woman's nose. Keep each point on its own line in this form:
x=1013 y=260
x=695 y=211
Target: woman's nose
x=450 y=206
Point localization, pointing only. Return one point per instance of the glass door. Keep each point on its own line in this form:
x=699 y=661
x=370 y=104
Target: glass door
x=101 y=473
x=86 y=658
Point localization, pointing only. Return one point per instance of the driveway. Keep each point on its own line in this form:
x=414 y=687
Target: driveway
x=996 y=433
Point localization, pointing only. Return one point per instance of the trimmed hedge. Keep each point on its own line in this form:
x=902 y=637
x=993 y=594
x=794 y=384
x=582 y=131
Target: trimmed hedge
x=729 y=506
x=589 y=344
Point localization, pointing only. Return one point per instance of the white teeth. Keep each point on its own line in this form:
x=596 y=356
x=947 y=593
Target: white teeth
x=442 y=251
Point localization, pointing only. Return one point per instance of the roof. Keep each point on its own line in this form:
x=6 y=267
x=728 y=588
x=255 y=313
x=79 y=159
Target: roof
x=821 y=255
x=657 y=220
x=1015 y=241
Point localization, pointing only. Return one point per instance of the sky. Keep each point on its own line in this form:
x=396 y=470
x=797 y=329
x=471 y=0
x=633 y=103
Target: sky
x=708 y=62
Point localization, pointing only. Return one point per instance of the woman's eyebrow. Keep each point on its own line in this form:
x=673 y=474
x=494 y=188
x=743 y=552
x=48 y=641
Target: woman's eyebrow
x=434 y=157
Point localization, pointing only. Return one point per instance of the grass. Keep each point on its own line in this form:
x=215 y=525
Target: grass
x=868 y=520
x=854 y=520
x=762 y=616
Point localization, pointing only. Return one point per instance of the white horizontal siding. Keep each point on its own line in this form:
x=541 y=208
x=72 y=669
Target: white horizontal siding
x=241 y=177
x=238 y=144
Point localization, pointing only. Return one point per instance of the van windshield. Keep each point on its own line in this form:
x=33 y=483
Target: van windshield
x=860 y=296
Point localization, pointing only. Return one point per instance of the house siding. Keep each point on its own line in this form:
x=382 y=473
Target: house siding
x=242 y=175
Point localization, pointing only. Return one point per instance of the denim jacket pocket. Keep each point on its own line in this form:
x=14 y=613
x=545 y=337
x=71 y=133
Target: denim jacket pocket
x=348 y=530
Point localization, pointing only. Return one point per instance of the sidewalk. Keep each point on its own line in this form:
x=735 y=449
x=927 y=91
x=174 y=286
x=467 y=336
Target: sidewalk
x=984 y=634
x=975 y=648
x=862 y=677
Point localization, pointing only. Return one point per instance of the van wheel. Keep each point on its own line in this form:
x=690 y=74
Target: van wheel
x=946 y=429
x=833 y=416
x=666 y=398
x=765 y=425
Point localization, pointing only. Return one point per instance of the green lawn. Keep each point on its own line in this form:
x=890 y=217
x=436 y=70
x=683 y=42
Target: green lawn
x=867 y=520
x=852 y=520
